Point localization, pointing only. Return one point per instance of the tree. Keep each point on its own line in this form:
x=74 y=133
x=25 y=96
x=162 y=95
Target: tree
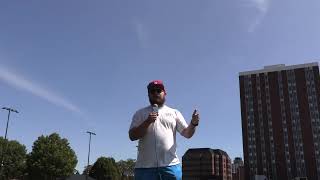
x=126 y=168
x=105 y=169
x=86 y=170
x=51 y=158
x=14 y=159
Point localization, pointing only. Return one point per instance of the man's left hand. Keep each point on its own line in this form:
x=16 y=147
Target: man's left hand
x=195 y=117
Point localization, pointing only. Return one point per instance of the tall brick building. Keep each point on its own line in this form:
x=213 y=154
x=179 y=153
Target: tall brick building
x=206 y=164
x=280 y=121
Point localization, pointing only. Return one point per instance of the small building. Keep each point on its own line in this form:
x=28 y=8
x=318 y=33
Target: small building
x=79 y=177
x=206 y=164
x=238 y=169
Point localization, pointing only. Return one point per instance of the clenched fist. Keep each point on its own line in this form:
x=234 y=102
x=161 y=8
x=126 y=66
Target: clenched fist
x=152 y=117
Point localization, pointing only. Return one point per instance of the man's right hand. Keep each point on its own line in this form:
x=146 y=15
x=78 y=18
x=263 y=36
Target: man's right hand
x=138 y=132
x=152 y=117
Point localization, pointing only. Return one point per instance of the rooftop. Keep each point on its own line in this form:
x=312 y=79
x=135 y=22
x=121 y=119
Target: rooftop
x=278 y=67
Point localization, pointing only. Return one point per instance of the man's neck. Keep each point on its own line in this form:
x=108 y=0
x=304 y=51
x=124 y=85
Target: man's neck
x=160 y=106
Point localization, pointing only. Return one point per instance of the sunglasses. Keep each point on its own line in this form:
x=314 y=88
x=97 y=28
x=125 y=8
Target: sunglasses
x=155 y=90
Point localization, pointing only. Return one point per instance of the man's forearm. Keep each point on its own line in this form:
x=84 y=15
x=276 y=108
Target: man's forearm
x=189 y=131
x=138 y=132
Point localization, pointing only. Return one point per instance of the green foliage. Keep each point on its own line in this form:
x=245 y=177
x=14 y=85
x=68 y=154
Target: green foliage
x=14 y=159
x=105 y=169
x=51 y=157
x=126 y=168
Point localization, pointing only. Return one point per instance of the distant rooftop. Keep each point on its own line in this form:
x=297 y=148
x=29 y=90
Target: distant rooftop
x=218 y=151
x=278 y=67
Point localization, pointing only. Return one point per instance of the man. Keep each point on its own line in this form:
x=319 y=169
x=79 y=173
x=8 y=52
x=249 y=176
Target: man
x=155 y=127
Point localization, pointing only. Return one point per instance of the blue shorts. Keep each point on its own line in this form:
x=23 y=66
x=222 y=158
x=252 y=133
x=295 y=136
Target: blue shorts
x=162 y=173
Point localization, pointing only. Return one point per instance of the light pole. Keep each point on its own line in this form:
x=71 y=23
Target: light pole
x=90 y=133
x=5 y=136
x=9 y=112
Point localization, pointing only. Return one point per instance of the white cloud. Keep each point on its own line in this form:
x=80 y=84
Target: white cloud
x=20 y=82
x=141 y=32
x=262 y=7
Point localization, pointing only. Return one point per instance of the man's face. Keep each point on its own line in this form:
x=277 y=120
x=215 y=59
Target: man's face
x=156 y=96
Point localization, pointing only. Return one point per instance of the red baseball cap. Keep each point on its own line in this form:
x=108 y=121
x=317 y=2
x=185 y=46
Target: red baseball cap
x=156 y=83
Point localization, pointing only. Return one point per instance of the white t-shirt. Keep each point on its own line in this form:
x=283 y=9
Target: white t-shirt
x=158 y=147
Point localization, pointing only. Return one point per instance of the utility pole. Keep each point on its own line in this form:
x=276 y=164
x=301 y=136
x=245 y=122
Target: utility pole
x=90 y=133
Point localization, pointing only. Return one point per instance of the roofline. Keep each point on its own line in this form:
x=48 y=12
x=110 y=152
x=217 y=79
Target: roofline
x=217 y=151
x=279 y=67
x=221 y=151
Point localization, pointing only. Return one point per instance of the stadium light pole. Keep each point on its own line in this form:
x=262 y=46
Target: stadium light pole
x=5 y=136
x=90 y=134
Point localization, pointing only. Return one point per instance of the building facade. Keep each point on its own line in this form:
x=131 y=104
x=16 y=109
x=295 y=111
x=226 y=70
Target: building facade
x=237 y=162
x=237 y=169
x=206 y=164
x=280 y=121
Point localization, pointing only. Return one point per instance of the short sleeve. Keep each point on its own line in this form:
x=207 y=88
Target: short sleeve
x=136 y=120
x=181 y=122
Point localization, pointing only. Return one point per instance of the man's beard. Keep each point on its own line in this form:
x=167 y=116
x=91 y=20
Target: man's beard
x=158 y=102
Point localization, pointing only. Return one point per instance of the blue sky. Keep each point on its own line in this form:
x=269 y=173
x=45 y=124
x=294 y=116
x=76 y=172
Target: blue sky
x=72 y=66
